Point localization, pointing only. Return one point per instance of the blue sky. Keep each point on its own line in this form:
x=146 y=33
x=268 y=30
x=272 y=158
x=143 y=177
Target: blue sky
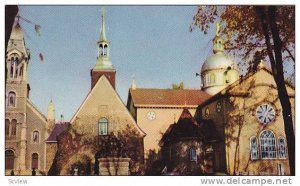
x=151 y=42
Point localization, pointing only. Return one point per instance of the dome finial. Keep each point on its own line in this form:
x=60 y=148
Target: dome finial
x=218 y=42
x=218 y=29
x=261 y=65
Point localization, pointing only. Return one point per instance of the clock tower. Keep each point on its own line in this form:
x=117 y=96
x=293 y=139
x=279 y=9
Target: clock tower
x=103 y=65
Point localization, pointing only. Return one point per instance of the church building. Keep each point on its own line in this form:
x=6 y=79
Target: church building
x=26 y=128
x=231 y=125
x=155 y=109
x=247 y=115
x=102 y=137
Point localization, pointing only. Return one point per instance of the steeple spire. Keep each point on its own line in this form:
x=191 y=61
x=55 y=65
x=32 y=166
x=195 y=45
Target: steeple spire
x=133 y=84
x=102 y=32
x=51 y=111
x=103 y=65
x=103 y=59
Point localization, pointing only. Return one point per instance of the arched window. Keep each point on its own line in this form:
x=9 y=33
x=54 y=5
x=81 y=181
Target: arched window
x=193 y=154
x=254 y=148
x=35 y=137
x=101 y=49
x=267 y=145
x=12 y=99
x=6 y=127
x=34 y=161
x=281 y=148
x=103 y=126
x=13 y=127
x=105 y=49
x=9 y=159
x=14 y=67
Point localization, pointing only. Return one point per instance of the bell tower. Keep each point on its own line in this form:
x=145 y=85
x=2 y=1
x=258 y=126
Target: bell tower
x=16 y=93
x=103 y=65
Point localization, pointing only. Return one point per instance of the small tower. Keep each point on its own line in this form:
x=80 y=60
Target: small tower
x=50 y=119
x=17 y=92
x=51 y=111
x=103 y=65
x=133 y=83
x=218 y=71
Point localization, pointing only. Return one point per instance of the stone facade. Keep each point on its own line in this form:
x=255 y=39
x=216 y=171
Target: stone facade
x=83 y=144
x=25 y=126
x=234 y=113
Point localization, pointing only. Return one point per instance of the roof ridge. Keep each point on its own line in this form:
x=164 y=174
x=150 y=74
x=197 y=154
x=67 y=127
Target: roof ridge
x=33 y=106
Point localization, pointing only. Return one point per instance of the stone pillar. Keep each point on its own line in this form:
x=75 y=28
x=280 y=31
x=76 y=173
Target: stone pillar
x=25 y=71
x=114 y=166
x=22 y=156
x=23 y=148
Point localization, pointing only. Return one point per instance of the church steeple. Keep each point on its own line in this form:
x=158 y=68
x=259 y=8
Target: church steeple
x=17 y=55
x=103 y=65
x=103 y=59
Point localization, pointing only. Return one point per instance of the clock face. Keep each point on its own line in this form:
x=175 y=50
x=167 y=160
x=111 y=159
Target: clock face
x=151 y=115
x=265 y=113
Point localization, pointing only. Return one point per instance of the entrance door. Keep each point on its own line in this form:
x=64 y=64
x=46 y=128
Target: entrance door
x=34 y=161
x=9 y=159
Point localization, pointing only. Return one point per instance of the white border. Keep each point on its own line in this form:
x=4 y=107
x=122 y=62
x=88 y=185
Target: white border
x=127 y=181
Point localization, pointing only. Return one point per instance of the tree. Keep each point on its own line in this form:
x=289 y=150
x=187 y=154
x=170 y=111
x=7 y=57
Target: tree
x=179 y=86
x=254 y=33
x=10 y=14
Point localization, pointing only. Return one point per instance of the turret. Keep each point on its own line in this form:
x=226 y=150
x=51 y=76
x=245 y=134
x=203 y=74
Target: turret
x=219 y=70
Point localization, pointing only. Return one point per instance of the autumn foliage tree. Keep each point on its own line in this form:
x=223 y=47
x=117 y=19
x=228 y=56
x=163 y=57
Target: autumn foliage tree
x=254 y=33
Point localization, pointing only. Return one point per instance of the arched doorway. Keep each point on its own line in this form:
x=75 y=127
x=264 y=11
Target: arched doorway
x=34 y=161
x=9 y=159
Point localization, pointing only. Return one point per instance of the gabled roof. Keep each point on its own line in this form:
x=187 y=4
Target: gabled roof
x=58 y=129
x=144 y=97
x=38 y=113
x=103 y=81
x=185 y=128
